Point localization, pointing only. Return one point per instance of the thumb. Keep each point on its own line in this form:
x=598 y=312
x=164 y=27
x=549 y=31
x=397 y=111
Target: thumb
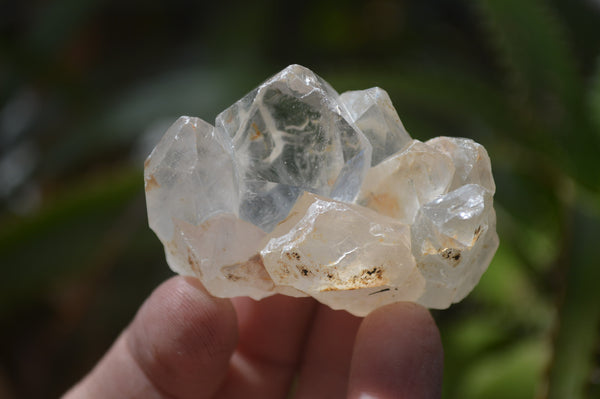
x=178 y=346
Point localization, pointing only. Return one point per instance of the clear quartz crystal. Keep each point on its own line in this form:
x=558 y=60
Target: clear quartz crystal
x=404 y=182
x=180 y=180
x=451 y=238
x=373 y=113
x=300 y=191
x=313 y=252
x=291 y=135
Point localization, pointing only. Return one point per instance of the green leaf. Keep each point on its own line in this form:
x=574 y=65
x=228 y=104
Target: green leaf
x=531 y=43
x=507 y=288
x=594 y=99
x=466 y=340
x=509 y=373
x=579 y=316
x=68 y=236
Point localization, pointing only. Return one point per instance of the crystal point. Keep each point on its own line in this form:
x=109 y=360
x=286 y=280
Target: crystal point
x=291 y=131
x=373 y=113
x=300 y=191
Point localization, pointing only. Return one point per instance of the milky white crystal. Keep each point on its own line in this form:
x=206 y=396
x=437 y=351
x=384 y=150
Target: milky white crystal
x=301 y=191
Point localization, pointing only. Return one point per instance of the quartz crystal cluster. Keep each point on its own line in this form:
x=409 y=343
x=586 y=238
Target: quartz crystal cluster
x=302 y=191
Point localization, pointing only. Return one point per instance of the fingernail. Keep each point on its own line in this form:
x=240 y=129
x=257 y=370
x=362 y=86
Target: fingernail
x=367 y=396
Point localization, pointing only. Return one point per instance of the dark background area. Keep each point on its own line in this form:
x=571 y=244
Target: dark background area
x=87 y=87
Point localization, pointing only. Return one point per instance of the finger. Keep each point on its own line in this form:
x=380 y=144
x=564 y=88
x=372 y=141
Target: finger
x=398 y=354
x=178 y=346
x=272 y=334
x=326 y=363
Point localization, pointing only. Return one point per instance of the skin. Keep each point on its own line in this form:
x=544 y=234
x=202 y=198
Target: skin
x=184 y=343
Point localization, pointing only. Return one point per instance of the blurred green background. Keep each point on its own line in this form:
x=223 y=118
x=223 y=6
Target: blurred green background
x=87 y=87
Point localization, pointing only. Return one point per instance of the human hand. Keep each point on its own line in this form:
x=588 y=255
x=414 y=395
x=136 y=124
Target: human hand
x=184 y=343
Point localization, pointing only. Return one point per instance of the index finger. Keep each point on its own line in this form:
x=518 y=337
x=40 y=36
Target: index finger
x=271 y=338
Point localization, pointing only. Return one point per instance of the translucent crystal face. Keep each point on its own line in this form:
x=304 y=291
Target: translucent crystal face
x=373 y=113
x=180 y=177
x=301 y=191
x=407 y=180
x=291 y=135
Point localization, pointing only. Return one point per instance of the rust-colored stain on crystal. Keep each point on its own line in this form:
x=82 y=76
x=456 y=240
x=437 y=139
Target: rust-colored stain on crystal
x=476 y=235
x=151 y=183
x=282 y=272
x=292 y=266
x=453 y=255
x=193 y=262
x=368 y=278
x=384 y=203
x=292 y=255
x=248 y=271
x=257 y=133
x=288 y=217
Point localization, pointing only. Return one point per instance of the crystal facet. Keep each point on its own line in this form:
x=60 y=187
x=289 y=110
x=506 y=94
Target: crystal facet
x=373 y=113
x=301 y=191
